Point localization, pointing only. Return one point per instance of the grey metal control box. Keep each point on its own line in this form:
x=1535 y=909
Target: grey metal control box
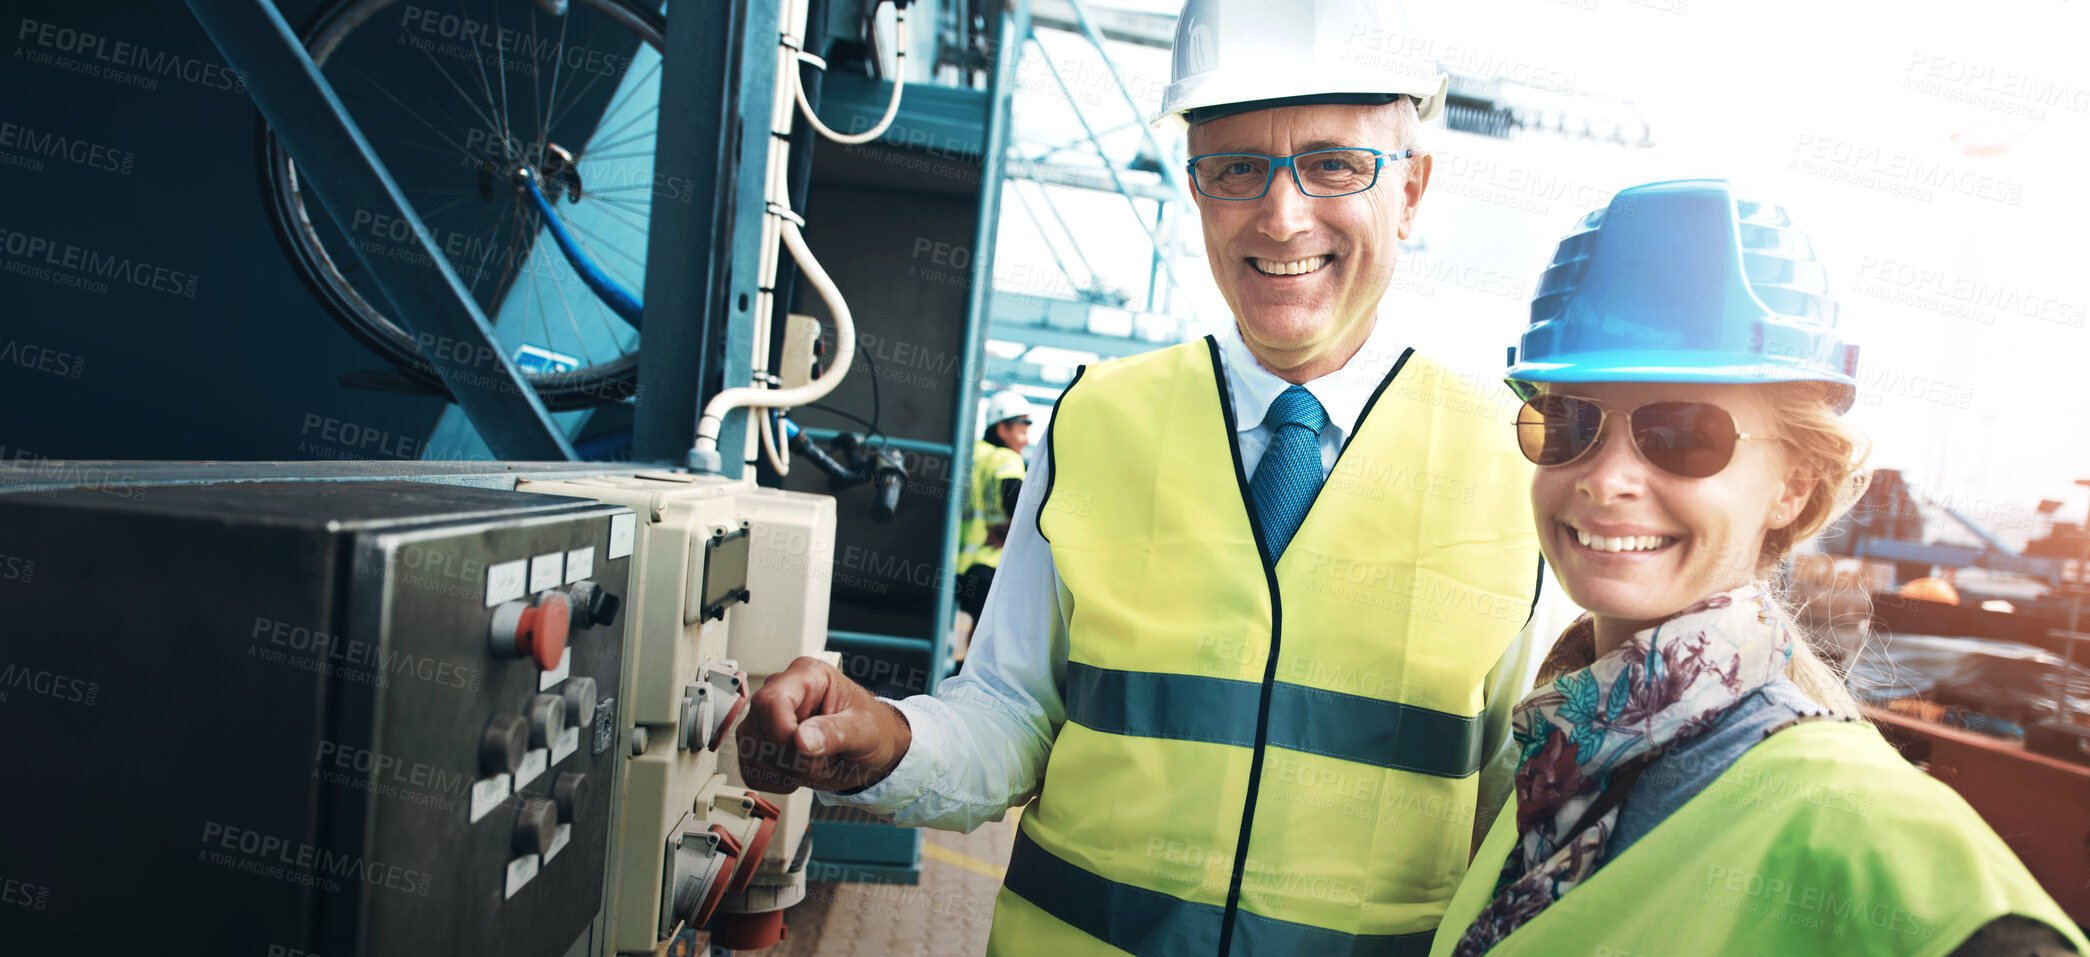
x=340 y=718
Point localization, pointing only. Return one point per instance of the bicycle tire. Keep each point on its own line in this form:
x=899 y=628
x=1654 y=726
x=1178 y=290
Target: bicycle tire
x=291 y=221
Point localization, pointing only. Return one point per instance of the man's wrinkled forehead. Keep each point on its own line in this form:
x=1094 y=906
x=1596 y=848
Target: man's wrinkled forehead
x=1293 y=129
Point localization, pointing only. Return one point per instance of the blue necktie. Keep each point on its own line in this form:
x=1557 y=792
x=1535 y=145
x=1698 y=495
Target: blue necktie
x=1290 y=473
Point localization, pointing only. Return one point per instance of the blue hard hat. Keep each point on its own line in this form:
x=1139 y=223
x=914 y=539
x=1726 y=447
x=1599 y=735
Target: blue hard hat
x=1682 y=282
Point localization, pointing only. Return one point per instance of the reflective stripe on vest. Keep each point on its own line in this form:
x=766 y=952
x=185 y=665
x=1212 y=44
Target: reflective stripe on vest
x=1819 y=840
x=1385 y=734
x=1268 y=759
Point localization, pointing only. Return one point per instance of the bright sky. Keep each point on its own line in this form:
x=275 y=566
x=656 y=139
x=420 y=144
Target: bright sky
x=1961 y=275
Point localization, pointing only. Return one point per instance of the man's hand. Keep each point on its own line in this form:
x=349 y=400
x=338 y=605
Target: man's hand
x=810 y=726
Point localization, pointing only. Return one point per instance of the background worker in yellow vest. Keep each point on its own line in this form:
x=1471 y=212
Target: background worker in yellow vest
x=1267 y=597
x=1694 y=780
x=997 y=480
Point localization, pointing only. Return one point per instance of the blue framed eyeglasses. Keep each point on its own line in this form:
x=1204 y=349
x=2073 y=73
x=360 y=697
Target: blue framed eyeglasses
x=1318 y=173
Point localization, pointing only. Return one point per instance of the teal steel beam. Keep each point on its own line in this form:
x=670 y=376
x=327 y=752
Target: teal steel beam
x=1015 y=372
x=1011 y=26
x=1073 y=242
x=1146 y=132
x=1116 y=181
x=1057 y=260
x=859 y=639
x=1085 y=177
x=1140 y=27
x=1074 y=340
x=742 y=236
x=686 y=273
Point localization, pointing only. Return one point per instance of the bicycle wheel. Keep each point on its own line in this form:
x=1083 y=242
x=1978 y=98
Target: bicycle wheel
x=456 y=98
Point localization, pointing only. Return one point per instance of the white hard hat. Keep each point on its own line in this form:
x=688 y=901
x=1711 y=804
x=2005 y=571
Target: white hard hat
x=1256 y=54
x=1003 y=406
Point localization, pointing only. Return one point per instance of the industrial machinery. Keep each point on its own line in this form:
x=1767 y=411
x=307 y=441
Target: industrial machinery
x=730 y=587
x=324 y=717
x=403 y=716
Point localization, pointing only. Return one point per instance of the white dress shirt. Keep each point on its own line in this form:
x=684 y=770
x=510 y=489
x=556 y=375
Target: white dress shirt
x=981 y=741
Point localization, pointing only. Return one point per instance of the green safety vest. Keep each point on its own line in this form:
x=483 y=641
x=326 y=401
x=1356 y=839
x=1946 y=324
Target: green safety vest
x=1819 y=840
x=1324 y=714
x=991 y=464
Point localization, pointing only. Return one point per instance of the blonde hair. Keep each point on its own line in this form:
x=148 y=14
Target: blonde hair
x=1830 y=455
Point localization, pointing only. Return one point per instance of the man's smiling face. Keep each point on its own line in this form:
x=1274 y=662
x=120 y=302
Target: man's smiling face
x=1304 y=275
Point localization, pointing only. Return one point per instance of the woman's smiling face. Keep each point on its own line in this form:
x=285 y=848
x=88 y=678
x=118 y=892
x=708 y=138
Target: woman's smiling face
x=1629 y=541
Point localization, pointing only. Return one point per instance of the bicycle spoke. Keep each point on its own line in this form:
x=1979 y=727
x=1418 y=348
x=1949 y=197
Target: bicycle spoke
x=640 y=228
x=414 y=144
x=633 y=138
x=544 y=129
x=501 y=70
x=629 y=92
x=593 y=32
x=642 y=114
x=643 y=209
x=610 y=156
x=617 y=336
x=536 y=299
x=604 y=263
x=592 y=190
x=559 y=286
x=505 y=285
x=480 y=271
x=500 y=127
x=431 y=214
x=536 y=70
x=447 y=78
x=432 y=128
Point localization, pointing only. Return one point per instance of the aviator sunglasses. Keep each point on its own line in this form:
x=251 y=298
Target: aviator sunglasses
x=1685 y=439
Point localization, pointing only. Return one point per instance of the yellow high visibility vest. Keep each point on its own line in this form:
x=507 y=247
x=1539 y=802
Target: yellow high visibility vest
x=1819 y=840
x=1283 y=757
x=991 y=464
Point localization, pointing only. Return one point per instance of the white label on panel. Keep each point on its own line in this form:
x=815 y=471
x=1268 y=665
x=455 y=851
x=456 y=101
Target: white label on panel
x=569 y=742
x=580 y=563
x=546 y=570
x=533 y=765
x=505 y=581
x=623 y=528
x=546 y=679
x=520 y=871
x=559 y=839
x=487 y=794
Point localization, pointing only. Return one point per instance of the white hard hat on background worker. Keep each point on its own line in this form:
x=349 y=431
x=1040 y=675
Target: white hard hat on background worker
x=1003 y=406
x=1233 y=56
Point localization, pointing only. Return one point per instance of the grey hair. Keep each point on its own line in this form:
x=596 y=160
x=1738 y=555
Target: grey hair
x=1407 y=124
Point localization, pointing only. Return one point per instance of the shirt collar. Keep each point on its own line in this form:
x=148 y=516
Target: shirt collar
x=1342 y=393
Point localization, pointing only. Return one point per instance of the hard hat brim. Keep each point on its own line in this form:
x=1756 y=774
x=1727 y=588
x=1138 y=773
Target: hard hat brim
x=1208 y=90
x=1663 y=366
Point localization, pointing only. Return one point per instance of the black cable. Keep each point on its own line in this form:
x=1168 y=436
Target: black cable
x=872 y=428
x=871 y=360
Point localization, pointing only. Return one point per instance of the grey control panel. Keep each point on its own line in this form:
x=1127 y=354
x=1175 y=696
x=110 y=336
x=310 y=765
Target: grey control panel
x=333 y=717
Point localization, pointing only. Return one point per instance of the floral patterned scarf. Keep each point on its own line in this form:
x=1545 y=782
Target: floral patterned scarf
x=1665 y=685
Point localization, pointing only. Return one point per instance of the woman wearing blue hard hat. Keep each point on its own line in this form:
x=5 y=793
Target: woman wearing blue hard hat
x=1693 y=779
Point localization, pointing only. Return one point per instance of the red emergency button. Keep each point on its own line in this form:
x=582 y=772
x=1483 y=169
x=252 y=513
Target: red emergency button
x=539 y=631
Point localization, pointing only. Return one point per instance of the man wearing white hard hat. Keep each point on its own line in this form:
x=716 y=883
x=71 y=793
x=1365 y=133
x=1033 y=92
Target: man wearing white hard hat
x=997 y=481
x=1267 y=598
